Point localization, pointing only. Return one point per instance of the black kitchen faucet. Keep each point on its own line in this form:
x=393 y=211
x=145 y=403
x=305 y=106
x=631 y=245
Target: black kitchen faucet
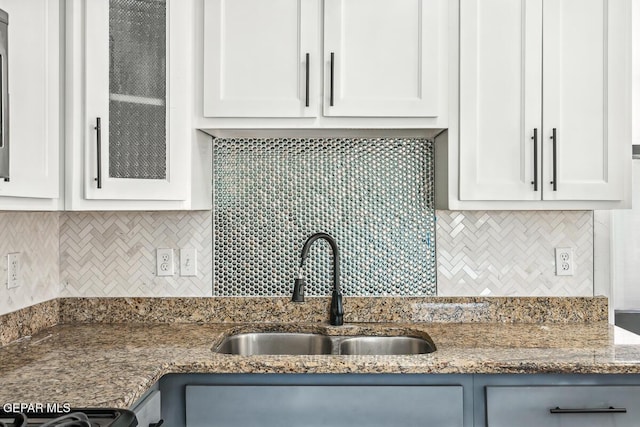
x=337 y=312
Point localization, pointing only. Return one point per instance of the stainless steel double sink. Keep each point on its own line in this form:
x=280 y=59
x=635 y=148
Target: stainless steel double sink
x=292 y=343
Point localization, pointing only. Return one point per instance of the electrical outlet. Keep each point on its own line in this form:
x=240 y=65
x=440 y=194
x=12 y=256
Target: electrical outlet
x=564 y=262
x=188 y=262
x=13 y=270
x=164 y=262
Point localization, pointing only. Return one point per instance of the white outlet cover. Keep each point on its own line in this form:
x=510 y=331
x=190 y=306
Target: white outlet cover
x=13 y=270
x=188 y=262
x=564 y=262
x=164 y=262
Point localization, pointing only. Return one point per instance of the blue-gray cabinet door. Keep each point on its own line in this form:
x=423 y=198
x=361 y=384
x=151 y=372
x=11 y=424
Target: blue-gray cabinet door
x=315 y=406
x=563 y=406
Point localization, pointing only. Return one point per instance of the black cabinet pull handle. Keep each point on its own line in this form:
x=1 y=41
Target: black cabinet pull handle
x=98 y=129
x=306 y=89
x=3 y=133
x=609 y=410
x=331 y=80
x=555 y=165
x=4 y=97
x=535 y=159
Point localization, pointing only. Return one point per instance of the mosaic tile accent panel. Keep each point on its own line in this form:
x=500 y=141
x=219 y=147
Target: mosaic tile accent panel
x=114 y=253
x=512 y=253
x=35 y=236
x=374 y=196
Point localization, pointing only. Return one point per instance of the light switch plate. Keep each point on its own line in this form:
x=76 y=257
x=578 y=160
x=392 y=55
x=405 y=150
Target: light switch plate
x=164 y=262
x=188 y=262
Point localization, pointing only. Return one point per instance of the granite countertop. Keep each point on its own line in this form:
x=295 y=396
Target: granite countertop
x=102 y=364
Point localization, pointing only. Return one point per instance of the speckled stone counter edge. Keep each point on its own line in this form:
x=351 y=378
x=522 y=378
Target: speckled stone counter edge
x=30 y=320
x=357 y=309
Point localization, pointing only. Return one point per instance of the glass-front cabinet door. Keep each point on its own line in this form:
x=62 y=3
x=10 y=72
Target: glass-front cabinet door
x=134 y=117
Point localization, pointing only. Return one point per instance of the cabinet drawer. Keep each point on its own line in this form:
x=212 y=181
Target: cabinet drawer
x=584 y=406
x=335 y=406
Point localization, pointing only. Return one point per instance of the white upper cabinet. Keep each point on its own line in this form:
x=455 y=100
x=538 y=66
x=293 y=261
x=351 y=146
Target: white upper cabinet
x=500 y=99
x=544 y=101
x=332 y=63
x=382 y=57
x=586 y=89
x=34 y=62
x=131 y=144
x=129 y=90
x=262 y=58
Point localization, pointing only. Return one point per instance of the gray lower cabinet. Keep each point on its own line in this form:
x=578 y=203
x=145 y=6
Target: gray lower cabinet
x=310 y=400
x=563 y=406
x=324 y=405
x=148 y=409
x=400 y=400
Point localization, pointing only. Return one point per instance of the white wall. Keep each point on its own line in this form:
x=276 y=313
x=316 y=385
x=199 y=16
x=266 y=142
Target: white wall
x=635 y=94
x=625 y=237
x=625 y=224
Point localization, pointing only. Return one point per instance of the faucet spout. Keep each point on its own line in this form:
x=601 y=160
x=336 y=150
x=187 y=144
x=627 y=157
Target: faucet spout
x=337 y=310
x=334 y=250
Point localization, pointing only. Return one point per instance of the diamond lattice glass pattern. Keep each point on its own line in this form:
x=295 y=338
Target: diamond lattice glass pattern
x=137 y=89
x=374 y=196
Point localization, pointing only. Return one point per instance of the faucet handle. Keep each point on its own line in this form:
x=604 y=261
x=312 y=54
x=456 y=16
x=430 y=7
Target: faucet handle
x=337 y=311
x=298 y=290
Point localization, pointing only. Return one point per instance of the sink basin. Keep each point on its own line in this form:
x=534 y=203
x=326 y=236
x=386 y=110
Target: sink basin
x=313 y=343
x=385 y=346
x=264 y=343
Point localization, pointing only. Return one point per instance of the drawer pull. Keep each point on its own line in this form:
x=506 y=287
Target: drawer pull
x=609 y=410
x=535 y=159
x=331 y=79
x=306 y=78
x=98 y=129
x=554 y=139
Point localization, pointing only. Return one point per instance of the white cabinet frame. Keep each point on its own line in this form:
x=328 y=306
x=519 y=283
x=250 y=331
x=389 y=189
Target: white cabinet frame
x=188 y=183
x=35 y=58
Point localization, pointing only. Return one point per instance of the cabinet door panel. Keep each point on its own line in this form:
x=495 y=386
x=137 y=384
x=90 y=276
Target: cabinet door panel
x=387 y=57
x=255 y=58
x=337 y=406
x=576 y=103
x=531 y=406
x=34 y=98
x=133 y=86
x=500 y=98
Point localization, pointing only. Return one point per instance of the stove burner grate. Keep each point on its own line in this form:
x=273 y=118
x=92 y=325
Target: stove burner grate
x=78 y=417
x=73 y=419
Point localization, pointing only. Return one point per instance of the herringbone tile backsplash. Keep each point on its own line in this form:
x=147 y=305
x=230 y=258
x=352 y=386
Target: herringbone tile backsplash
x=114 y=253
x=35 y=236
x=512 y=253
x=499 y=253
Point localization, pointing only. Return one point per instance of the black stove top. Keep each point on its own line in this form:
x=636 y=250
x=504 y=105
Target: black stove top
x=76 y=417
